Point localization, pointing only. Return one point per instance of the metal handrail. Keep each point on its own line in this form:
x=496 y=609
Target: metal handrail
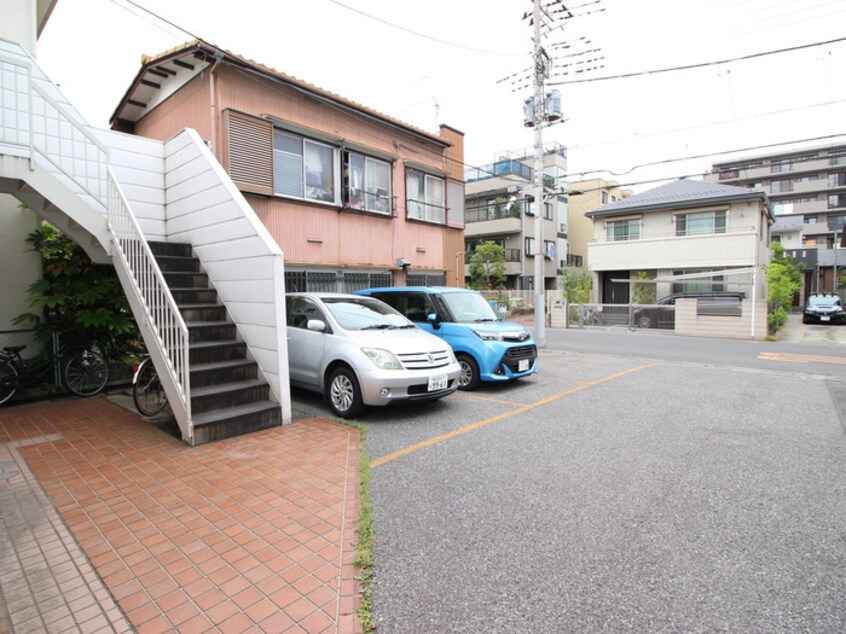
x=54 y=134
x=151 y=289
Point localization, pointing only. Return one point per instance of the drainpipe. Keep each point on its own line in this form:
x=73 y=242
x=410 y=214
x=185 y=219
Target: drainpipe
x=213 y=105
x=754 y=294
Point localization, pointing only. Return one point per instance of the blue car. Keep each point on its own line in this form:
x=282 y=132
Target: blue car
x=487 y=348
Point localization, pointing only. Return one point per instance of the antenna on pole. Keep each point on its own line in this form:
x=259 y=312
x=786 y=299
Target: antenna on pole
x=543 y=109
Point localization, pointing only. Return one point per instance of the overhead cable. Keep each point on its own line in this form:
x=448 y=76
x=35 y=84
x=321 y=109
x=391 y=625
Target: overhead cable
x=700 y=65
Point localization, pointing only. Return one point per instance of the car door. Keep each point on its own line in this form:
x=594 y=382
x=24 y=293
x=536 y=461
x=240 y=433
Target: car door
x=306 y=348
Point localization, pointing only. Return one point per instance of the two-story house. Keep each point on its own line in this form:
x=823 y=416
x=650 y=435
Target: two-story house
x=686 y=236
x=500 y=208
x=354 y=198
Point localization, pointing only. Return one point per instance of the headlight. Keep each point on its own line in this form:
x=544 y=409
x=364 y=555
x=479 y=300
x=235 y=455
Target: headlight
x=382 y=358
x=488 y=336
x=451 y=356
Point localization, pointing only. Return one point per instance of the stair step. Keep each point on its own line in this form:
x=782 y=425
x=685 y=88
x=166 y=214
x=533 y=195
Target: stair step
x=228 y=395
x=211 y=351
x=196 y=313
x=176 y=263
x=192 y=296
x=234 y=421
x=179 y=279
x=211 y=331
x=219 y=372
x=179 y=249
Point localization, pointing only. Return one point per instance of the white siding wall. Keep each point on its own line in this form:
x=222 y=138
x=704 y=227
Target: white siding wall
x=245 y=265
x=139 y=166
x=18 y=23
x=20 y=266
x=659 y=247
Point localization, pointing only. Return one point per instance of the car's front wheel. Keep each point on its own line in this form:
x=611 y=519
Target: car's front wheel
x=469 y=378
x=344 y=393
x=644 y=321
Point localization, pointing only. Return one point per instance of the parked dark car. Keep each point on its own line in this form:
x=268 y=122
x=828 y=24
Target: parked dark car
x=823 y=308
x=663 y=313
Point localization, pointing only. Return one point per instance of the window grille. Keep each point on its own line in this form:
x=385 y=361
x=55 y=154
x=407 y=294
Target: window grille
x=426 y=279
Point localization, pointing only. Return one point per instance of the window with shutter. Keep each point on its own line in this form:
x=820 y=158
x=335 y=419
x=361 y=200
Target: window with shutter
x=249 y=152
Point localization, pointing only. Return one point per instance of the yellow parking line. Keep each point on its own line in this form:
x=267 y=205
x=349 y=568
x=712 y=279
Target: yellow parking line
x=519 y=410
x=487 y=399
x=799 y=358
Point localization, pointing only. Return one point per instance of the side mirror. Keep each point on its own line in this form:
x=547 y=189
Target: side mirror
x=433 y=319
x=317 y=325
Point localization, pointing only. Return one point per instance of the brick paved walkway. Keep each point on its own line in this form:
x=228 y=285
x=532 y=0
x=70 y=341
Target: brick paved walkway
x=255 y=533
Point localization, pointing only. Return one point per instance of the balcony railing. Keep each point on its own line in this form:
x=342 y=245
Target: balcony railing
x=672 y=234
x=495 y=212
x=506 y=167
x=511 y=255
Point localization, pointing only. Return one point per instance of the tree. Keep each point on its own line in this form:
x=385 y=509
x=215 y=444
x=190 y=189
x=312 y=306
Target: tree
x=784 y=279
x=83 y=302
x=487 y=266
x=576 y=284
x=643 y=293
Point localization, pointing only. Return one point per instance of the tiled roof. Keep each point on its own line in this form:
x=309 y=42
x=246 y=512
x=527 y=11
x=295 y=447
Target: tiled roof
x=211 y=52
x=680 y=193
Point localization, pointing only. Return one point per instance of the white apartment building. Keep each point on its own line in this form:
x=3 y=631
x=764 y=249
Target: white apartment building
x=500 y=207
x=807 y=192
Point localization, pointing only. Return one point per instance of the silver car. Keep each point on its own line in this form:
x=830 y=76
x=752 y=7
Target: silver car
x=358 y=351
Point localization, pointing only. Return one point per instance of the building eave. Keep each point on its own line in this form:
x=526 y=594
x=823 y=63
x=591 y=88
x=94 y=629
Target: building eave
x=170 y=67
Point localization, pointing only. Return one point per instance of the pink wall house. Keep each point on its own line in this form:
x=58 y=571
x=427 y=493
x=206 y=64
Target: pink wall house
x=353 y=197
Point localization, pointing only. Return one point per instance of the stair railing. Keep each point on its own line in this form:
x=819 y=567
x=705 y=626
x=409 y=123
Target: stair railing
x=42 y=126
x=154 y=294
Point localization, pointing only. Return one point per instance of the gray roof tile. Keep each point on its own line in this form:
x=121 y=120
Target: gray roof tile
x=680 y=193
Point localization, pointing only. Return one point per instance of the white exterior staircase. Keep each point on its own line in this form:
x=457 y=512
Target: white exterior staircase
x=114 y=194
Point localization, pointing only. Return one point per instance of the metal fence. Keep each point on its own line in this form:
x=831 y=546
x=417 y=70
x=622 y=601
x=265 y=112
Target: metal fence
x=621 y=315
x=512 y=303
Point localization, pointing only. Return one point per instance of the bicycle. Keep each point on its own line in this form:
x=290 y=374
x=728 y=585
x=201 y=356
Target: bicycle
x=84 y=373
x=147 y=390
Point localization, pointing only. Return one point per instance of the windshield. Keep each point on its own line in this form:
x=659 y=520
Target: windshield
x=365 y=313
x=824 y=301
x=469 y=307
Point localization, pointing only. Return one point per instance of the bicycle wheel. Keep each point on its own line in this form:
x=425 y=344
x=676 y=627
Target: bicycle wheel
x=147 y=390
x=86 y=373
x=8 y=380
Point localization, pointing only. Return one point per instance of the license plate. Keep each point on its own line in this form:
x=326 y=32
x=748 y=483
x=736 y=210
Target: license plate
x=825 y=318
x=437 y=382
x=522 y=365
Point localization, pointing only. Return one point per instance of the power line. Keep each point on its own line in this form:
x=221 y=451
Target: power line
x=701 y=156
x=423 y=35
x=710 y=123
x=700 y=65
x=662 y=162
x=158 y=17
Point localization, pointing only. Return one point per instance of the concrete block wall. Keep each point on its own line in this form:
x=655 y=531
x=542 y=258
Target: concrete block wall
x=725 y=326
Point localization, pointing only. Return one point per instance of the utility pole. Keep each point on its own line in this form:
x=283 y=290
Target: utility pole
x=540 y=70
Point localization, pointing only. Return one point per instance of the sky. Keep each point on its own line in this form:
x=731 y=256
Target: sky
x=464 y=63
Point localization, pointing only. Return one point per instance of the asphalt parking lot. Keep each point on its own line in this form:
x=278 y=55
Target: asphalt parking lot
x=611 y=493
